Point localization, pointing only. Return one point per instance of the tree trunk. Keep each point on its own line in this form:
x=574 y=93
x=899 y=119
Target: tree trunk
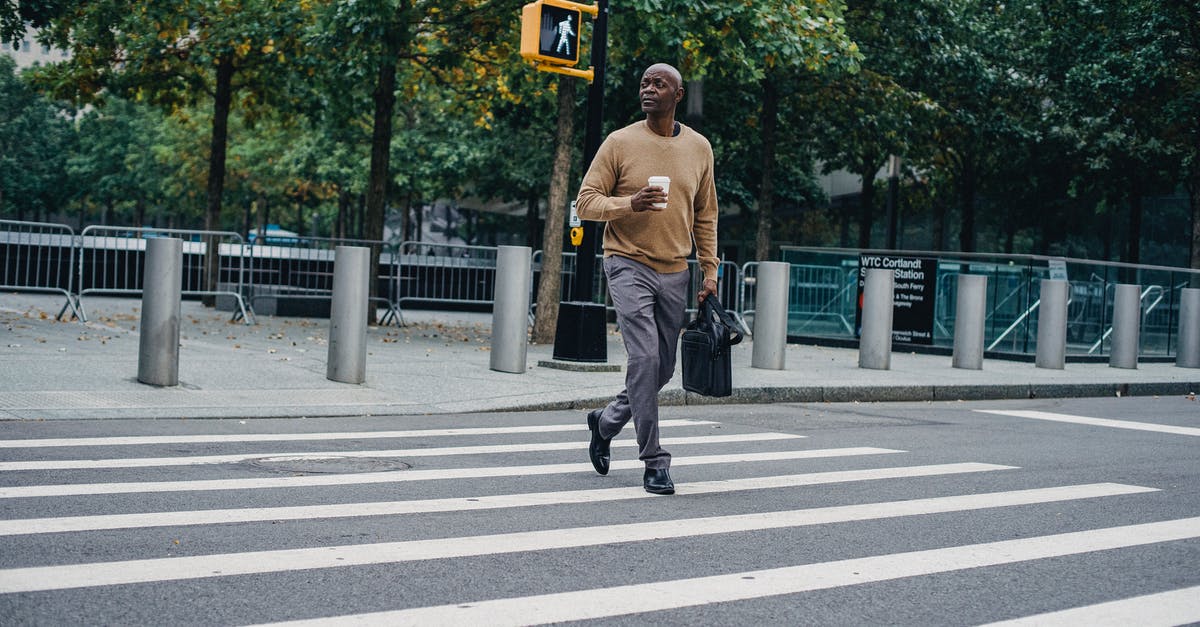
x=532 y=219
x=966 y=186
x=866 y=206
x=1135 y=222
x=360 y=216
x=216 y=172
x=937 y=233
x=139 y=209
x=264 y=207
x=418 y=222
x=343 y=214
x=406 y=217
x=1108 y=233
x=381 y=147
x=550 y=284
x=766 y=194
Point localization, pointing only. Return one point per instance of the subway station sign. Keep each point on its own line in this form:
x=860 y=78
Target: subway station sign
x=914 y=296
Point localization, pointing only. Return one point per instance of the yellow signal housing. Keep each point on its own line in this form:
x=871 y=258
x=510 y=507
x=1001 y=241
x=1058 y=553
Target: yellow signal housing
x=550 y=35
x=576 y=236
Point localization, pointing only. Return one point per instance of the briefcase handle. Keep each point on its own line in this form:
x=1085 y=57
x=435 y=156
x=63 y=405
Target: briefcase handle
x=711 y=309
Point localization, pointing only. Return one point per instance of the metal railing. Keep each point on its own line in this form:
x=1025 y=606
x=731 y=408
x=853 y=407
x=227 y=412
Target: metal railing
x=39 y=257
x=822 y=291
x=112 y=261
x=446 y=273
x=1013 y=285
x=567 y=277
x=303 y=270
x=729 y=283
x=818 y=296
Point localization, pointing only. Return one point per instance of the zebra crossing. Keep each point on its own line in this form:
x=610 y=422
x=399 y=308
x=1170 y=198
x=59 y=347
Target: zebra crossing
x=502 y=525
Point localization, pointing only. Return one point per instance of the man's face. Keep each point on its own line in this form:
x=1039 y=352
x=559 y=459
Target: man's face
x=659 y=92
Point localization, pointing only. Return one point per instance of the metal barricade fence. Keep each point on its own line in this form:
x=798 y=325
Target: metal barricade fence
x=567 y=272
x=291 y=278
x=446 y=273
x=817 y=295
x=111 y=261
x=728 y=283
x=39 y=257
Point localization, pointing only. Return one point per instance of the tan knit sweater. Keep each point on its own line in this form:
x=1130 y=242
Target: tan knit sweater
x=661 y=240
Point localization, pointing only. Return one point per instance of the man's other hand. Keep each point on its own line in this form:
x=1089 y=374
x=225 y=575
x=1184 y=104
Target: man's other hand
x=708 y=288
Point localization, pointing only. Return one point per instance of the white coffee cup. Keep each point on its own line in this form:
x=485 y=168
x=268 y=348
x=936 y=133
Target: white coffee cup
x=665 y=183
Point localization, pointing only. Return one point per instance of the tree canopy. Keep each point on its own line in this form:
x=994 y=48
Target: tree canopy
x=1012 y=119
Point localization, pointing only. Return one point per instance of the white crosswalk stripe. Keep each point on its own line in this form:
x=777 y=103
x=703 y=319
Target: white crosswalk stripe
x=763 y=482
x=536 y=447
x=1163 y=609
x=666 y=595
x=211 y=517
x=77 y=489
x=1094 y=422
x=142 y=440
x=168 y=569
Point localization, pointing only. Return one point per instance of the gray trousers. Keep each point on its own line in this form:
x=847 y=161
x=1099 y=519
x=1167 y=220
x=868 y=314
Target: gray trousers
x=651 y=308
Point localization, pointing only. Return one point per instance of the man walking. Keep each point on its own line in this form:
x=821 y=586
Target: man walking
x=648 y=234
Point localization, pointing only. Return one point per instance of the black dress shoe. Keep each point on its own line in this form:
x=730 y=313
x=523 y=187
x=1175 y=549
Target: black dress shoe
x=658 y=481
x=598 y=448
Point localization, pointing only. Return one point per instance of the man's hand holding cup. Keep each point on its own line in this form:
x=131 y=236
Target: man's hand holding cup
x=653 y=197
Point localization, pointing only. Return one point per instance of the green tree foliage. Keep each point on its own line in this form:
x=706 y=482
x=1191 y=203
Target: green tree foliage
x=35 y=139
x=181 y=53
x=117 y=165
x=1027 y=126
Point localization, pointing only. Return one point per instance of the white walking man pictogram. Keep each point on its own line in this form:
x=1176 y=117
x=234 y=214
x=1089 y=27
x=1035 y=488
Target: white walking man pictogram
x=565 y=32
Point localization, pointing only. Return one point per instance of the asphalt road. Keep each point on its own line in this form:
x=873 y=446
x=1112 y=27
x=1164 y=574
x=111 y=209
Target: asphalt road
x=922 y=513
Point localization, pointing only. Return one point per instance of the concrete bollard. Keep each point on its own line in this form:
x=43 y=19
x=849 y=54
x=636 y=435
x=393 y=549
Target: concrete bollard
x=158 y=334
x=969 y=314
x=771 y=315
x=347 y=360
x=1052 y=325
x=1187 y=355
x=875 y=343
x=1127 y=321
x=510 y=313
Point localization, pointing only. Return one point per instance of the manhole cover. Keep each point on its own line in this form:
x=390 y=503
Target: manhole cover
x=327 y=464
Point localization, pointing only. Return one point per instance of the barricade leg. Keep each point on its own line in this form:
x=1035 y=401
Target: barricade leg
x=1187 y=355
x=158 y=334
x=771 y=315
x=1052 y=325
x=875 y=344
x=1127 y=318
x=509 y=313
x=969 y=314
x=347 y=360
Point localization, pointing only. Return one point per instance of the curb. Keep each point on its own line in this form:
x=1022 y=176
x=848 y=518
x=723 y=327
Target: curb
x=889 y=394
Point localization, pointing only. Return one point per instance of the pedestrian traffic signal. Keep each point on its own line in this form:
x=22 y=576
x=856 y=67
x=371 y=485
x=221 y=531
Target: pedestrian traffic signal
x=550 y=31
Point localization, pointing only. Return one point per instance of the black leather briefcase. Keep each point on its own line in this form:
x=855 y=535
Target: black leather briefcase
x=705 y=350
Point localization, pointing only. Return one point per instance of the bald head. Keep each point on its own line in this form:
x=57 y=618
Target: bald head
x=668 y=70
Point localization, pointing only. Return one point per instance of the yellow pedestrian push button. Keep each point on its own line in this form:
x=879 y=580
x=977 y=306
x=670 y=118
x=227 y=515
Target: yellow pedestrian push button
x=576 y=235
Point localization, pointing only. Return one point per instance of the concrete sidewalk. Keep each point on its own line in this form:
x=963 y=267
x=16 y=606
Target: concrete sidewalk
x=439 y=363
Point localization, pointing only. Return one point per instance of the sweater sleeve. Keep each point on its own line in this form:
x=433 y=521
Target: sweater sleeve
x=595 y=201
x=704 y=228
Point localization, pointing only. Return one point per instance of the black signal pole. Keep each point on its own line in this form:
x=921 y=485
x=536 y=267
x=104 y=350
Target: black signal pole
x=581 y=327
x=585 y=265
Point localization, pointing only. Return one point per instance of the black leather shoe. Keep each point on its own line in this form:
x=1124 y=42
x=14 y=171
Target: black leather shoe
x=598 y=448
x=658 y=481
